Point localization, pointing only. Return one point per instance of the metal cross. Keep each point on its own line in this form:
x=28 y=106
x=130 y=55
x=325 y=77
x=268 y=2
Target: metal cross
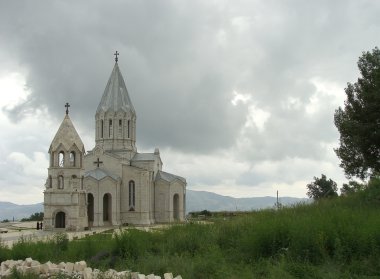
x=67 y=108
x=98 y=162
x=116 y=54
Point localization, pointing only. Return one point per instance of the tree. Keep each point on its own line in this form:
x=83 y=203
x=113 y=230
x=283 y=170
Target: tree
x=351 y=187
x=359 y=121
x=322 y=188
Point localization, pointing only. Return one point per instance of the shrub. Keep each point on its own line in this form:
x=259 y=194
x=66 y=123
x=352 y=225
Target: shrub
x=61 y=240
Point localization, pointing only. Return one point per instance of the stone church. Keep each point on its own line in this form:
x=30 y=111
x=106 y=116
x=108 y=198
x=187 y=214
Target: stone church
x=112 y=184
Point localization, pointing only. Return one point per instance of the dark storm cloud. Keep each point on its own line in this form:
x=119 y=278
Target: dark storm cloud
x=68 y=56
x=183 y=60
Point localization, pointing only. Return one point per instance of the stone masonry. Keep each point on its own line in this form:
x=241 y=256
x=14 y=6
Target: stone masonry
x=75 y=270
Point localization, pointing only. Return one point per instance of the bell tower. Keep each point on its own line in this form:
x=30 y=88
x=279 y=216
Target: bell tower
x=64 y=196
x=115 y=118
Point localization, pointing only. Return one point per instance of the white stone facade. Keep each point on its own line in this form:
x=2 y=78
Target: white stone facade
x=112 y=184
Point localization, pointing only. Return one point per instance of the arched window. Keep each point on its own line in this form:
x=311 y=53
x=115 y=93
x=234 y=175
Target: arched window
x=72 y=159
x=128 y=128
x=107 y=207
x=61 y=159
x=176 y=207
x=110 y=135
x=90 y=207
x=132 y=195
x=60 y=182
x=101 y=128
x=120 y=128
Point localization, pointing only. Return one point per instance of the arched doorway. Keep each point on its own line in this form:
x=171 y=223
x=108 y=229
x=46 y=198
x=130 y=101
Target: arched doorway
x=90 y=209
x=107 y=208
x=176 y=207
x=60 y=220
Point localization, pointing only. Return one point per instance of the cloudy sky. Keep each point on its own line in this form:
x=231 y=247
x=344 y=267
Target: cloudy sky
x=238 y=95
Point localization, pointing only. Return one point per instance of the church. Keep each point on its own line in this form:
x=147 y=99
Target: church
x=113 y=184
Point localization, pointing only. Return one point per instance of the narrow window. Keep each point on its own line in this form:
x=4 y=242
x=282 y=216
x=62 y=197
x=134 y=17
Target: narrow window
x=120 y=127
x=132 y=195
x=128 y=127
x=110 y=129
x=61 y=159
x=50 y=185
x=72 y=159
x=60 y=182
x=101 y=128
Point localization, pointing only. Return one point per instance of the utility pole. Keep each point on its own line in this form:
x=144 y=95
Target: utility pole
x=278 y=206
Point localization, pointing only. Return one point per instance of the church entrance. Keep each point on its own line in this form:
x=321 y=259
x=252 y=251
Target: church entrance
x=107 y=209
x=60 y=222
x=176 y=207
x=90 y=209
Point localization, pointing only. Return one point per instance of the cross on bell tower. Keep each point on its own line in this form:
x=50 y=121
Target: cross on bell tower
x=98 y=162
x=67 y=108
x=116 y=54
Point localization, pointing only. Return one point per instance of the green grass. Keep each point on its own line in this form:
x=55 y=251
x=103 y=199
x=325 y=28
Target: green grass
x=334 y=238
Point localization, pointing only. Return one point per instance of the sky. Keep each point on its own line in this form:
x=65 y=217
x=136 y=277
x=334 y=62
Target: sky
x=239 y=96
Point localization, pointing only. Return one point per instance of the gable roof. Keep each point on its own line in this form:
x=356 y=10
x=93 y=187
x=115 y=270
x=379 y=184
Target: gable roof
x=115 y=97
x=169 y=177
x=66 y=135
x=99 y=174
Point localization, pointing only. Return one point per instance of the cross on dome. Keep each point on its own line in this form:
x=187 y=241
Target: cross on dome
x=116 y=54
x=67 y=108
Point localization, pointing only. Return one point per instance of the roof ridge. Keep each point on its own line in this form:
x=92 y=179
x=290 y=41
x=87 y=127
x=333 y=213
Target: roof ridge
x=100 y=173
x=169 y=176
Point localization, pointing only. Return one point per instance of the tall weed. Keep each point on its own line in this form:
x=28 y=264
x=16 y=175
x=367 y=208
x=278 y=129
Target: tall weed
x=334 y=238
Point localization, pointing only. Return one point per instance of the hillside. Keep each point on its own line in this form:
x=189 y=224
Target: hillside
x=200 y=200
x=10 y=210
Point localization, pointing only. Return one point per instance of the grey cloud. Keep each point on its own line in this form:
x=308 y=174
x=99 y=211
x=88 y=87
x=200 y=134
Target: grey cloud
x=291 y=134
x=182 y=61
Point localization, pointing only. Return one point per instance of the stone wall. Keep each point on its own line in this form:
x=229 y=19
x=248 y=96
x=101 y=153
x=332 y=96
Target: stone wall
x=74 y=270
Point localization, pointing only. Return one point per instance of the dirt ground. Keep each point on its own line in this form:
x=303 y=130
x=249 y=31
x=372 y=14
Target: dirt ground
x=11 y=232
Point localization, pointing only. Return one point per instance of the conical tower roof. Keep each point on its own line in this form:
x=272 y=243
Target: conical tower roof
x=115 y=97
x=67 y=136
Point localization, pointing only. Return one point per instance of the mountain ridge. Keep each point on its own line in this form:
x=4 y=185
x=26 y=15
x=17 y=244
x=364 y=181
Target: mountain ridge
x=204 y=200
x=195 y=201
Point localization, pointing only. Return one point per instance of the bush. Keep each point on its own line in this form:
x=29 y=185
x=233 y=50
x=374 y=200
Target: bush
x=61 y=240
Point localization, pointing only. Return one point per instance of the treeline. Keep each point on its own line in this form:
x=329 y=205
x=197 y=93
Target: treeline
x=358 y=123
x=38 y=216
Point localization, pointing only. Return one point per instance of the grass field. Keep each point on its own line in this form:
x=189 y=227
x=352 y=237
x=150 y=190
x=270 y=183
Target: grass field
x=334 y=238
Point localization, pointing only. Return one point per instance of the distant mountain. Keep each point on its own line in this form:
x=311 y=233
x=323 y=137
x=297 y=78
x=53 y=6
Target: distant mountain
x=195 y=201
x=9 y=210
x=200 y=200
